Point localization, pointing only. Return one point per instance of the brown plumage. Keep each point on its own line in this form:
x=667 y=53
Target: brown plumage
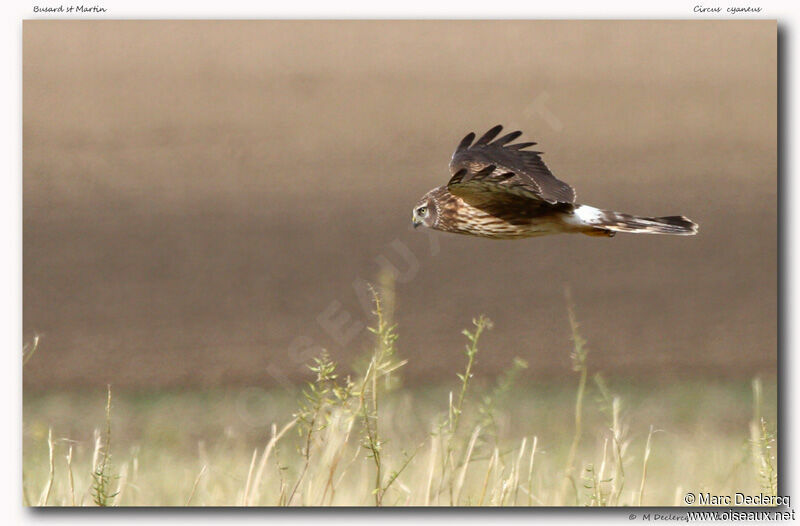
x=504 y=191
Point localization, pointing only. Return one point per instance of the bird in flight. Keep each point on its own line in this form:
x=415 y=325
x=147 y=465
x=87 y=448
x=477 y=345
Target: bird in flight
x=505 y=191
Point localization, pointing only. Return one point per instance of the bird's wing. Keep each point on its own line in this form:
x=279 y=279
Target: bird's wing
x=499 y=194
x=489 y=166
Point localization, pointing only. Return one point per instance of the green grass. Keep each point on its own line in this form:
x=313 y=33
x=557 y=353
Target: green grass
x=355 y=436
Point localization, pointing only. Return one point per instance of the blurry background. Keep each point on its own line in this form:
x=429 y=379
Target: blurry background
x=198 y=195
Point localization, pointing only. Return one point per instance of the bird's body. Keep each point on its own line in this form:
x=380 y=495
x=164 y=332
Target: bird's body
x=507 y=192
x=528 y=221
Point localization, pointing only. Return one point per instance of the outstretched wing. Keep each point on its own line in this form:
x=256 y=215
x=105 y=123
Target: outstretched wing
x=481 y=170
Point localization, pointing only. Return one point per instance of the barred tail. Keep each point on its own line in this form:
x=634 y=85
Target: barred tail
x=609 y=222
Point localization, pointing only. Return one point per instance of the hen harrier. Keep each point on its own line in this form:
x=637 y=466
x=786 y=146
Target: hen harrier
x=503 y=191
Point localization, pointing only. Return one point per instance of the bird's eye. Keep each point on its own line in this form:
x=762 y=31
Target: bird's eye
x=421 y=211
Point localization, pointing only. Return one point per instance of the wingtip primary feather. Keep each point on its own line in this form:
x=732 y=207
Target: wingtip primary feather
x=466 y=142
x=484 y=172
x=489 y=135
x=505 y=139
x=457 y=177
x=521 y=146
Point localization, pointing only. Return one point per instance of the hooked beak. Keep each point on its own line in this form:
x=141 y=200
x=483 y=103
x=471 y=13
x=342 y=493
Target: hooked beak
x=416 y=222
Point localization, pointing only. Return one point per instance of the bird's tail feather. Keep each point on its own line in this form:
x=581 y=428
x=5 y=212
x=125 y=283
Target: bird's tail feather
x=610 y=221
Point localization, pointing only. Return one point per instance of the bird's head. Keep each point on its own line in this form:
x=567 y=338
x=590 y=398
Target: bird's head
x=426 y=211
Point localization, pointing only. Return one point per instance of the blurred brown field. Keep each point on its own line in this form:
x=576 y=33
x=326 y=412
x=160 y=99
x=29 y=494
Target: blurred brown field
x=198 y=195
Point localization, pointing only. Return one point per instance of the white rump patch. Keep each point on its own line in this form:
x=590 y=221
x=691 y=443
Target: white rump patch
x=588 y=214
